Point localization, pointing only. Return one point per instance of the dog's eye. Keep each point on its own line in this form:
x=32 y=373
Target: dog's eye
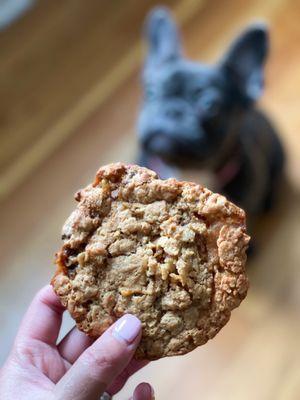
x=209 y=101
x=149 y=93
x=197 y=92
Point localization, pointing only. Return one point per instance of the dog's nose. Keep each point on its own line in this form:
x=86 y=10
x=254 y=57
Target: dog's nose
x=159 y=143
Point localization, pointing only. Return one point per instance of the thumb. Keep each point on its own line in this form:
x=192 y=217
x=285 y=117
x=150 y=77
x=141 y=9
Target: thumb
x=102 y=362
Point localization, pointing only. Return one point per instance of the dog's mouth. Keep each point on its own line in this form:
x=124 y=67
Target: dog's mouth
x=163 y=169
x=177 y=153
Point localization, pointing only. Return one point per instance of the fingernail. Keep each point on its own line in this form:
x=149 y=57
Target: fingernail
x=144 y=391
x=127 y=328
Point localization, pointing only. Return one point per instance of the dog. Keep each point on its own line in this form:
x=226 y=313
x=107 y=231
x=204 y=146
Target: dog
x=203 y=117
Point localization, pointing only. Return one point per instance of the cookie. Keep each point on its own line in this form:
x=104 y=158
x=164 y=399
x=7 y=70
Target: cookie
x=172 y=253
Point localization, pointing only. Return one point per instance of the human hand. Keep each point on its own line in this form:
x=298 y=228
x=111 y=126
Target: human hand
x=77 y=368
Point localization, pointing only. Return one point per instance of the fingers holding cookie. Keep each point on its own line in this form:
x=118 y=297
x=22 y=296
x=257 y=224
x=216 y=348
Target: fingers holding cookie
x=98 y=366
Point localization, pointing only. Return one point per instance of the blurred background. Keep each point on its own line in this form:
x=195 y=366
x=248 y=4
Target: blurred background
x=69 y=79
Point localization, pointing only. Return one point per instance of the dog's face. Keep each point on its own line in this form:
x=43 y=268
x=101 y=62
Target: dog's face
x=186 y=112
x=190 y=110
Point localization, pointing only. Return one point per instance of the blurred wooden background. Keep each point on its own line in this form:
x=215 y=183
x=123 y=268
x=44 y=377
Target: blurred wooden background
x=69 y=79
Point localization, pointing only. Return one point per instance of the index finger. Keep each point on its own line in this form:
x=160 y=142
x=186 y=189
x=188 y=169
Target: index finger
x=43 y=318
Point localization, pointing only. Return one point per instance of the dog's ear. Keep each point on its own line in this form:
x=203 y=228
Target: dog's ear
x=244 y=61
x=162 y=37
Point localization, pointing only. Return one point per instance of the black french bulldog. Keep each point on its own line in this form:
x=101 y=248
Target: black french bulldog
x=204 y=116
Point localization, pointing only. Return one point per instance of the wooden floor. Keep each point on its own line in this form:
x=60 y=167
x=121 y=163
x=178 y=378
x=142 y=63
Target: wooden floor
x=70 y=77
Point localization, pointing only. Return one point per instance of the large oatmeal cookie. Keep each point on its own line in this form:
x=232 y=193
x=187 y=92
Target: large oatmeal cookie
x=172 y=253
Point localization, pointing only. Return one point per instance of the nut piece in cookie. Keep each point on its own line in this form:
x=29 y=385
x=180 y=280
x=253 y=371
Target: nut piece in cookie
x=172 y=253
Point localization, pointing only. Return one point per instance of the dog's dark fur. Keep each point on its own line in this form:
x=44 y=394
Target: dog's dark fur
x=203 y=116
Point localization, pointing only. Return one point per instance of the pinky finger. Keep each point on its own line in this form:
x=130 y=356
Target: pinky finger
x=143 y=391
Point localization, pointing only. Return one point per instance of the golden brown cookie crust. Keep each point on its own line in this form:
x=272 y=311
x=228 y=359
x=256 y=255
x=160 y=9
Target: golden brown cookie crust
x=172 y=253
